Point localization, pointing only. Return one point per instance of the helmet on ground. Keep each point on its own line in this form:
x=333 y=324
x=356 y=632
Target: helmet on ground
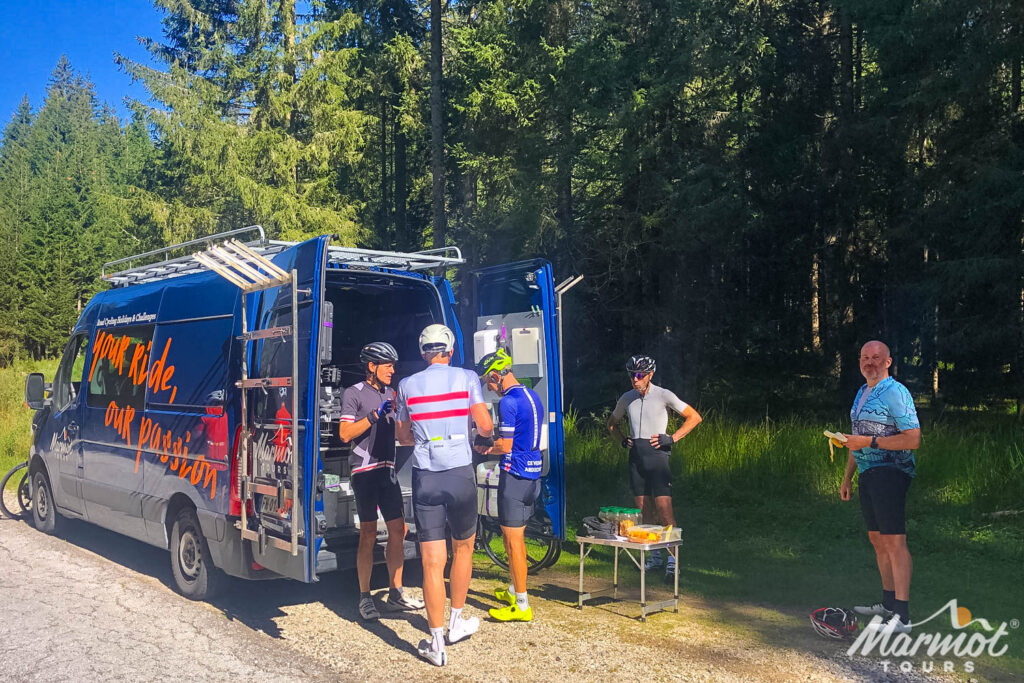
x=499 y=362
x=834 y=622
x=640 y=363
x=378 y=352
x=436 y=337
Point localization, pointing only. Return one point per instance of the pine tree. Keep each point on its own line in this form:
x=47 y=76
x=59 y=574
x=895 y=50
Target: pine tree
x=15 y=184
x=252 y=119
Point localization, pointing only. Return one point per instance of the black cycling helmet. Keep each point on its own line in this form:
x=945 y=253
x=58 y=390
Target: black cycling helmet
x=378 y=352
x=640 y=363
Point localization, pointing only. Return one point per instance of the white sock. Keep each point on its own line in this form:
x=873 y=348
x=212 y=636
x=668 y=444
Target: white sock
x=522 y=602
x=455 y=616
x=437 y=638
x=512 y=589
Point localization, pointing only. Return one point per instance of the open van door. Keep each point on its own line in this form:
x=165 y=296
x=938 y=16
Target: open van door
x=277 y=468
x=515 y=306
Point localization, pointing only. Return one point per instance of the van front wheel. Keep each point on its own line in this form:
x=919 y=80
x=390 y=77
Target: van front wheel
x=194 y=573
x=44 y=511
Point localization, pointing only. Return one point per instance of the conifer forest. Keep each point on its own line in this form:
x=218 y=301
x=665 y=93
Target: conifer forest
x=751 y=188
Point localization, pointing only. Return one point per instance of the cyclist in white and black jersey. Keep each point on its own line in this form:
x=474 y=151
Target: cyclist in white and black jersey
x=435 y=408
x=646 y=406
x=367 y=423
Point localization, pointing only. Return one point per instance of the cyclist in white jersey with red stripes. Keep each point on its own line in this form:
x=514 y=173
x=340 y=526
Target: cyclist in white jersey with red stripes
x=435 y=407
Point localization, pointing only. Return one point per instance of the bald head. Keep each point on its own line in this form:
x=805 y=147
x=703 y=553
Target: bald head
x=874 y=362
x=875 y=347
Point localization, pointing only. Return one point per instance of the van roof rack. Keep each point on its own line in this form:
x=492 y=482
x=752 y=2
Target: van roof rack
x=350 y=257
x=154 y=268
x=442 y=257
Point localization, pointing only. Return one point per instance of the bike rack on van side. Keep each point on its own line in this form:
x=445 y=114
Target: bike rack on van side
x=251 y=272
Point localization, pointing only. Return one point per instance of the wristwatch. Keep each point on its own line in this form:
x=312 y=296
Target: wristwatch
x=874 y=442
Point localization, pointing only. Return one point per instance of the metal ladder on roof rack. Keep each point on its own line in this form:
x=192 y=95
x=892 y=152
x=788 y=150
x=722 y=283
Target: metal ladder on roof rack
x=162 y=263
x=251 y=272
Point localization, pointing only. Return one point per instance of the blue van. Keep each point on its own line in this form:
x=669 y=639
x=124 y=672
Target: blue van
x=196 y=404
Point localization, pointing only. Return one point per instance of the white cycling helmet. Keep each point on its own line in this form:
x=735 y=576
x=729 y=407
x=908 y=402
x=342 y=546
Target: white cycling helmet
x=436 y=338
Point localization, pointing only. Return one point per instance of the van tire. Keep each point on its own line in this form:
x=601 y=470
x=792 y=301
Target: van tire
x=44 y=510
x=194 y=573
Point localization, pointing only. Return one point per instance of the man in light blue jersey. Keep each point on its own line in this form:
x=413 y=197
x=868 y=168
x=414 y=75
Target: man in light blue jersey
x=886 y=432
x=435 y=407
x=521 y=413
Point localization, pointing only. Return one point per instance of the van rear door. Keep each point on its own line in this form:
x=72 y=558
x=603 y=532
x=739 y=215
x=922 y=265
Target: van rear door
x=281 y=415
x=515 y=306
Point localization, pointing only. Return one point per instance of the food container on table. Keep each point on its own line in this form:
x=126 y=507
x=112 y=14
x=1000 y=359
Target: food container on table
x=652 y=533
x=629 y=518
x=645 y=533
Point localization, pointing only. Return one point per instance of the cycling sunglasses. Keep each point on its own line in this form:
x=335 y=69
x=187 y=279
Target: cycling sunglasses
x=638 y=375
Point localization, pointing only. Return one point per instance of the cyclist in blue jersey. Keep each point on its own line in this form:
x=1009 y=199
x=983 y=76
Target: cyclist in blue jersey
x=435 y=407
x=367 y=423
x=886 y=433
x=521 y=415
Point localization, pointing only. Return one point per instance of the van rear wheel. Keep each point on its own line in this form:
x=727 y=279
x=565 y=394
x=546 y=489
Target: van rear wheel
x=191 y=564
x=44 y=511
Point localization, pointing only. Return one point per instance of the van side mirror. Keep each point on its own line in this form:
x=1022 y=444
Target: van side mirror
x=35 y=391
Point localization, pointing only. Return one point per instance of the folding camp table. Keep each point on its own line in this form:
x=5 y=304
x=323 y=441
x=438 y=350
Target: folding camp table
x=628 y=546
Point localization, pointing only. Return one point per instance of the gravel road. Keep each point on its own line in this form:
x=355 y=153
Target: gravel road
x=91 y=605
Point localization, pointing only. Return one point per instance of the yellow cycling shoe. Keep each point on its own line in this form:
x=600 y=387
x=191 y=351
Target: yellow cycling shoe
x=512 y=613
x=505 y=595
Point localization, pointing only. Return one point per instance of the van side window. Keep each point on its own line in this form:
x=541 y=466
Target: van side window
x=119 y=365
x=192 y=358
x=68 y=381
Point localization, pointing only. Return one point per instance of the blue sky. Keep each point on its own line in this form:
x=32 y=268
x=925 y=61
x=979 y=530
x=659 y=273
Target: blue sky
x=35 y=33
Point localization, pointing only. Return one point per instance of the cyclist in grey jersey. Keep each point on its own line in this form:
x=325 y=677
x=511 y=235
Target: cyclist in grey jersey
x=646 y=406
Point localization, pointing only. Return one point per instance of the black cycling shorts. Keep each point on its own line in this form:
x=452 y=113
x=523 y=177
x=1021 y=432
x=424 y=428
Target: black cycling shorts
x=446 y=497
x=376 y=488
x=883 y=499
x=515 y=499
x=649 y=473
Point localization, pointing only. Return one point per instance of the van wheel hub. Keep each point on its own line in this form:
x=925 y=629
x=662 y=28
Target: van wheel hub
x=42 y=502
x=189 y=558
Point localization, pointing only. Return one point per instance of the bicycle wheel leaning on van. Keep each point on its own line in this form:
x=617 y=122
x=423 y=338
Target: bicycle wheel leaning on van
x=542 y=548
x=194 y=573
x=23 y=493
x=24 y=497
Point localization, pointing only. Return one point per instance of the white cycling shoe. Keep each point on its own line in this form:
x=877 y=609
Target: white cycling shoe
x=463 y=629
x=873 y=610
x=427 y=651
x=893 y=624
